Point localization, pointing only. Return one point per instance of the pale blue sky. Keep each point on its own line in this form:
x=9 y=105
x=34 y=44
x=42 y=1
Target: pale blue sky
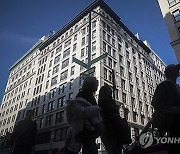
x=23 y=22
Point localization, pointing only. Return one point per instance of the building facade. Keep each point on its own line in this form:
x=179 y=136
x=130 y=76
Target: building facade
x=55 y=78
x=171 y=13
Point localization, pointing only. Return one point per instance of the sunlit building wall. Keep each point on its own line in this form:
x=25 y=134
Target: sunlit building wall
x=171 y=13
x=55 y=78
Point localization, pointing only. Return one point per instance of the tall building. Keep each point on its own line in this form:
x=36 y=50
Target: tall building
x=171 y=13
x=46 y=76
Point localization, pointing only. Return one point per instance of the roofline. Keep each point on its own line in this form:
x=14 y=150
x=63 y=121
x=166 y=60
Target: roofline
x=26 y=54
x=93 y=5
x=83 y=13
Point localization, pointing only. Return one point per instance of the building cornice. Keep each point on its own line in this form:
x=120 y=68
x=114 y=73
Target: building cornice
x=92 y=6
x=27 y=54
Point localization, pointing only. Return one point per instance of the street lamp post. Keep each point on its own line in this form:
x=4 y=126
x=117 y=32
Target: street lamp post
x=89 y=43
x=89 y=63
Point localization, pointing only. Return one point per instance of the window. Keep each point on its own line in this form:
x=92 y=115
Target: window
x=134 y=116
x=123 y=84
x=108 y=38
x=120 y=58
x=94 y=24
x=105 y=73
x=93 y=45
x=49 y=120
x=131 y=88
x=124 y=97
x=127 y=54
x=81 y=80
x=81 y=67
x=110 y=62
x=52 y=93
x=119 y=38
x=126 y=113
x=143 y=84
x=94 y=34
x=75 y=37
x=133 y=102
x=54 y=80
x=119 y=47
x=71 y=83
x=65 y=63
x=104 y=46
x=82 y=52
x=72 y=70
x=50 y=106
x=133 y=51
x=110 y=76
x=64 y=75
x=66 y=53
x=67 y=43
x=61 y=101
x=122 y=71
x=47 y=84
x=59 y=117
x=108 y=28
x=57 y=59
x=145 y=97
x=87 y=38
x=55 y=69
x=52 y=54
x=171 y=2
x=83 y=31
x=103 y=24
x=176 y=15
x=104 y=34
x=74 y=47
x=58 y=49
x=113 y=42
x=128 y=64
x=126 y=45
x=83 y=41
x=137 y=81
x=44 y=108
x=63 y=88
x=138 y=93
x=93 y=56
x=142 y=119
x=60 y=134
x=41 y=123
x=109 y=50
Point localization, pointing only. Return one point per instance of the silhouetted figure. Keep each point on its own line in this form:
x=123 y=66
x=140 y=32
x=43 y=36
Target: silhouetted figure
x=110 y=114
x=166 y=102
x=71 y=146
x=5 y=147
x=83 y=114
x=24 y=135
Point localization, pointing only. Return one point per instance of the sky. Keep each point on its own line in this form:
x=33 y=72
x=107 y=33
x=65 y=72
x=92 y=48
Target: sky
x=24 y=22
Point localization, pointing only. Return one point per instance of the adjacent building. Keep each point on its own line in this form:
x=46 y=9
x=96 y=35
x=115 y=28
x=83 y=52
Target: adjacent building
x=171 y=13
x=46 y=76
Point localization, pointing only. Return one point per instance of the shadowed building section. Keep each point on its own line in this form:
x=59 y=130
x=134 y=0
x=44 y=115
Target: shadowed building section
x=44 y=79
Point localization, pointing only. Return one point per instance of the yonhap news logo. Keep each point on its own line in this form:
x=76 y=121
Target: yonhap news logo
x=147 y=139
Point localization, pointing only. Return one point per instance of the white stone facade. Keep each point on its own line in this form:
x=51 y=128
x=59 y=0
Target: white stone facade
x=171 y=13
x=54 y=77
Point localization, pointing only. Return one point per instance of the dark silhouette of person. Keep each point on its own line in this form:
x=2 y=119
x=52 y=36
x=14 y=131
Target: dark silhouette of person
x=111 y=118
x=166 y=103
x=89 y=87
x=85 y=117
x=71 y=145
x=24 y=135
x=5 y=146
